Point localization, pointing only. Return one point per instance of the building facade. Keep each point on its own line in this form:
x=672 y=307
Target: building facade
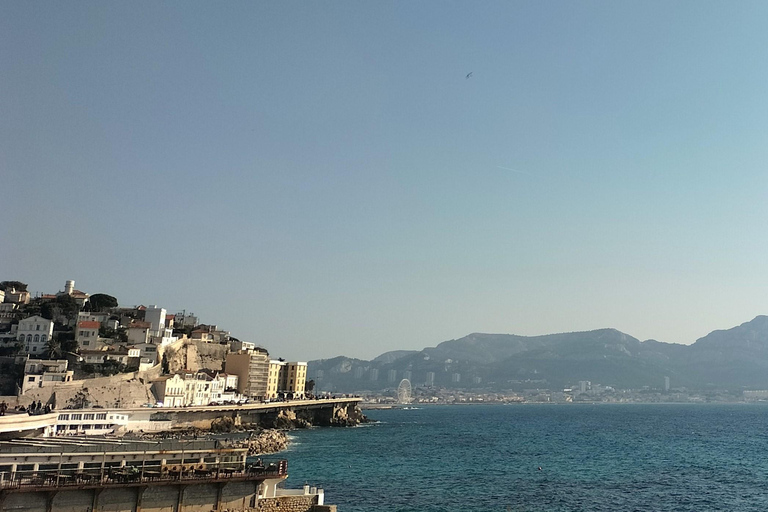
x=252 y=370
x=33 y=334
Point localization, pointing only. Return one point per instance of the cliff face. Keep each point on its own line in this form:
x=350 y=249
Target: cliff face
x=196 y=355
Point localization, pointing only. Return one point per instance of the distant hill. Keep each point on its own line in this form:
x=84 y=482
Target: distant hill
x=733 y=358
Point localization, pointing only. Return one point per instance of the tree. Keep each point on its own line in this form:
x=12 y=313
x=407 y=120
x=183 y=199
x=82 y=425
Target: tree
x=53 y=348
x=66 y=340
x=18 y=285
x=68 y=305
x=102 y=302
x=309 y=387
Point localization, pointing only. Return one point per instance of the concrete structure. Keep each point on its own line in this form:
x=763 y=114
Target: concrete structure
x=185 y=319
x=210 y=334
x=8 y=313
x=33 y=334
x=237 y=345
x=80 y=297
x=90 y=422
x=16 y=296
x=170 y=390
x=13 y=425
x=252 y=370
x=185 y=389
x=87 y=335
x=139 y=332
x=77 y=475
x=42 y=372
x=147 y=352
x=155 y=316
x=88 y=316
x=322 y=412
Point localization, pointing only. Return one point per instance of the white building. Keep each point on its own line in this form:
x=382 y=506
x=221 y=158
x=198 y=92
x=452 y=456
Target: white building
x=155 y=316
x=88 y=316
x=33 y=334
x=89 y=423
x=40 y=373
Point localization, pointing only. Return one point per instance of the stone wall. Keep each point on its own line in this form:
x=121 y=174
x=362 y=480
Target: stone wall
x=286 y=504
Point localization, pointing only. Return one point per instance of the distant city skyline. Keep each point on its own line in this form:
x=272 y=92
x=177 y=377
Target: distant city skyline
x=326 y=179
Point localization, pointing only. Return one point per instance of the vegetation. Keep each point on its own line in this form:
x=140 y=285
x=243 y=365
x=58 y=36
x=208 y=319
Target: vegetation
x=8 y=285
x=66 y=340
x=64 y=306
x=53 y=348
x=102 y=302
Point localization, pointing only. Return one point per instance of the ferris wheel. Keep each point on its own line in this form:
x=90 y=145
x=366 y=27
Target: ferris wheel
x=404 y=392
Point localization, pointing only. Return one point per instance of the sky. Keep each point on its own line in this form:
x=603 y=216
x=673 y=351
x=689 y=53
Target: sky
x=324 y=178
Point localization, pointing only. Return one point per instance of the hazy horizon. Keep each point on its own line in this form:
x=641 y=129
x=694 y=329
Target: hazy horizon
x=325 y=179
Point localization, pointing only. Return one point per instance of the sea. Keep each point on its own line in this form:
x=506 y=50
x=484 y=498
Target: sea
x=541 y=457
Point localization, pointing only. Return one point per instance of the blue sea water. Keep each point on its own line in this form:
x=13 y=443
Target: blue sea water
x=593 y=458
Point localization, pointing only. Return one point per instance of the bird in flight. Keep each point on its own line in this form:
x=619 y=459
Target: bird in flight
x=469 y=75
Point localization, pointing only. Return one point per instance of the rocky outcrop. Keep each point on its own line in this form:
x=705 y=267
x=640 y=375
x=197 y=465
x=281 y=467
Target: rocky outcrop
x=286 y=420
x=347 y=416
x=267 y=441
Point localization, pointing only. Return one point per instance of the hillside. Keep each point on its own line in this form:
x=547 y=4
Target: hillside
x=732 y=358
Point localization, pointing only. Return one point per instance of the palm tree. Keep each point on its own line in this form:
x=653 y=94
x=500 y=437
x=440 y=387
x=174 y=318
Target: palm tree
x=53 y=348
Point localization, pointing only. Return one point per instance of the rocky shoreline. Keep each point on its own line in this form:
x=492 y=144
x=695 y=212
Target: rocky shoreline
x=270 y=436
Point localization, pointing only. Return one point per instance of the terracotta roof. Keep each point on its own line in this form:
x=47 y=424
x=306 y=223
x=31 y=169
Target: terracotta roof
x=88 y=325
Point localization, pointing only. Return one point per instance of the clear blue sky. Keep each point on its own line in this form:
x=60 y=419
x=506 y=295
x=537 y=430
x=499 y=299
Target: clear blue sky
x=321 y=178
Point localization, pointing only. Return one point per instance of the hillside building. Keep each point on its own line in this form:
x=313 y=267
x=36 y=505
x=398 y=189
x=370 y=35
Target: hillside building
x=40 y=373
x=252 y=370
x=33 y=334
x=87 y=335
x=286 y=379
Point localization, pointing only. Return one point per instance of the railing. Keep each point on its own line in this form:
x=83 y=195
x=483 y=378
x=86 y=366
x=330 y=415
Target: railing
x=129 y=475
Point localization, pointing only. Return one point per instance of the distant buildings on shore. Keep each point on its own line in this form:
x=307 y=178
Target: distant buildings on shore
x=71 y=333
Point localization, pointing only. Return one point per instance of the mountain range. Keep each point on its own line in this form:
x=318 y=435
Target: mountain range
x=733 y=359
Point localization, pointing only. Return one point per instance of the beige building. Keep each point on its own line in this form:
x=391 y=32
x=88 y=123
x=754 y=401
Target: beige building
x=288 y=378
x=194 y=388
x=87 y=334
x=252 y=370
x=170 y=390
x=39 y=373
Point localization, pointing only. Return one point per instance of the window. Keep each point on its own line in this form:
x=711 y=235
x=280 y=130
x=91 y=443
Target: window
x=87 y=416
x=77 y=416
x=37 y=327
x=31 y=379
x=101 y=416
x=37 y=338
x=43 y=338
x=63 y=417
x=86 y=343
